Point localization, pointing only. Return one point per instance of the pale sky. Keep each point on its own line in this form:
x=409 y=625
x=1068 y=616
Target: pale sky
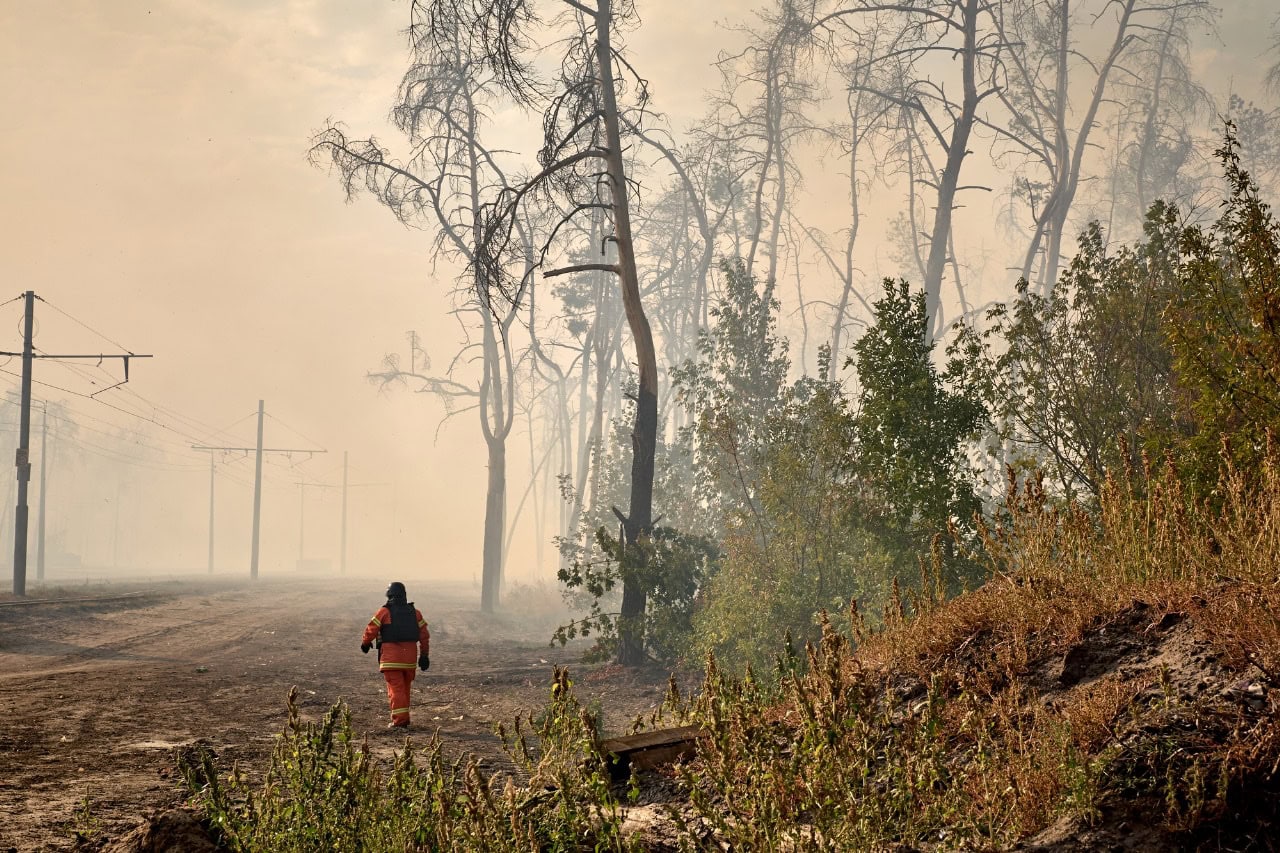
x=154 y=184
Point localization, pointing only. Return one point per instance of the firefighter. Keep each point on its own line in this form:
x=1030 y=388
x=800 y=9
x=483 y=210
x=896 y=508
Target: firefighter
x=398 y=628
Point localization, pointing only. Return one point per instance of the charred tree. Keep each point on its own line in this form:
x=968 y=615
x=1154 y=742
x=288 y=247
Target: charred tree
x=440 y=110
x=582 y=169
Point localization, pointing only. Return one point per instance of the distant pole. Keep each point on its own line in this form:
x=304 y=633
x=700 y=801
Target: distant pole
x=257 y=498
x=44 y=442
x=22 y=462
x=258 y=450
x=342 y=560
x=211 y=476
x=115 y=532
x=302 y=521
x=23 y=458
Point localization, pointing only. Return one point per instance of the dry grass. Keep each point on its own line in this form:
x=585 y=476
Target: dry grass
x=1121 y=661
x=1118 y=672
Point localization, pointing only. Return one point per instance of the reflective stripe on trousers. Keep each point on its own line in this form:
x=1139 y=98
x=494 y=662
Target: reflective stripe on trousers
x=399 y=685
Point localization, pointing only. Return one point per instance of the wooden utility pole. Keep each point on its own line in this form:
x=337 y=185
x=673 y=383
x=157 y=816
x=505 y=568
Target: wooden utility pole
x=212 y=474
x=22 y=461
x=258 y=450
x=44 y=457
x=342 y=559
x=257 y=498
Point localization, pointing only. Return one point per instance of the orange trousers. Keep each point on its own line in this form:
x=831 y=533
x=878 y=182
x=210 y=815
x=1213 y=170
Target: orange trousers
x=399 y=683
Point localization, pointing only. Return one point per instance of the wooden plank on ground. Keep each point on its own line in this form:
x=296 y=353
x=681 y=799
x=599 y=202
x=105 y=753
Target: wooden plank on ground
x=647 y=750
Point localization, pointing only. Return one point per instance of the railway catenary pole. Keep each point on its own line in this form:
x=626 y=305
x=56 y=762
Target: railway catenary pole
x=212 y=474
x=346 y=486
x=259 y=451
x=342 y=558
x=257 y=499
x=44 y=468
x=22 y=461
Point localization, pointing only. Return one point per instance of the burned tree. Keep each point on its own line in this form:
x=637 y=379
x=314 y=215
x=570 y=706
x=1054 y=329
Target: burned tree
x=1045 y=65
x=582 y=169
x=894 y=50
x=440 y=109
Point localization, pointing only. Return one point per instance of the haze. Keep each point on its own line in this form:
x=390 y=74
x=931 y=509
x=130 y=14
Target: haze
x=155 y=188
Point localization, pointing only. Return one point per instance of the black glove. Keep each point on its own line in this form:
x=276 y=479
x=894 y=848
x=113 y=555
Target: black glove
x=364 y=647
x=424 y=662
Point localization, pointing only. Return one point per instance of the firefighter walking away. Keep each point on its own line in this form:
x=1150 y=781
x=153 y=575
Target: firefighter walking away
x=398 y=629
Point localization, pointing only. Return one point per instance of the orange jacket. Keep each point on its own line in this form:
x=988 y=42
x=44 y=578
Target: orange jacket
x=397 y=655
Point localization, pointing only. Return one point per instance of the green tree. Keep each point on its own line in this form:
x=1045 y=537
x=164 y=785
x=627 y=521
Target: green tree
x=912 y=431
x=739 y=378
x=1066 y=375
x=804 y=547
x=1224 y=326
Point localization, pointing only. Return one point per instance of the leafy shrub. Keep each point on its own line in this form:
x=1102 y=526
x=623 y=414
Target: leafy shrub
x=673 y=571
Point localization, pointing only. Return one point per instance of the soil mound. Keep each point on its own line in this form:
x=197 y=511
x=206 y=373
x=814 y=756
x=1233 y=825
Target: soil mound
x=1179 y=727
x=174 y=831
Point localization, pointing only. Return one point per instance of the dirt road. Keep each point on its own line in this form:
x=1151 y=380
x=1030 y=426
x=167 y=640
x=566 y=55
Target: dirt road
x=95 y=698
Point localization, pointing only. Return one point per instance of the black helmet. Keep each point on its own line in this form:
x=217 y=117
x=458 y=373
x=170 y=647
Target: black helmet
x=396 y=592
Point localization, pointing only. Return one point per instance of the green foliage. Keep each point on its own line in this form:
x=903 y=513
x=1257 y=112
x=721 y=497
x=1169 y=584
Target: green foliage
x=821 y=504
x=801 y=546
x=85 y=824
x=939 y=730
x=911 y=428
x=325 y=791
x=1172 y=344
x=1068 y=374
x=738 y=381
x=674 y=568
x=1224 y=326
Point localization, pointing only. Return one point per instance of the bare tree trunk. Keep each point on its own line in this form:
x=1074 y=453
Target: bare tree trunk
x=1153 y=111
x=638 y=523
x=855 y=222
x=494 y=525
x=958 y=147
x=1053 y=219
x=496 y=415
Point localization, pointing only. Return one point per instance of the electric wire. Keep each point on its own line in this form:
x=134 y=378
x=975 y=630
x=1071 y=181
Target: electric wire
x=293 y=430
x=137 y=415
x=85 y=326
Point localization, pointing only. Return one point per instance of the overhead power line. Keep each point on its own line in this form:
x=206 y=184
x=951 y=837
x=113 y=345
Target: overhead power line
x=23 y=461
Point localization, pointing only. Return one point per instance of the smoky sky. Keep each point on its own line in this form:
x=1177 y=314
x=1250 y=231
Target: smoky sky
x=155 y=185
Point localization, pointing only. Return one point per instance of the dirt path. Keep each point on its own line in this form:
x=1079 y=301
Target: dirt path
x=96 y=698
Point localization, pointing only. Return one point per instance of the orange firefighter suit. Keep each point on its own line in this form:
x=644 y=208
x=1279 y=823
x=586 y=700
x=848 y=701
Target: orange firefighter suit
x=398 y=659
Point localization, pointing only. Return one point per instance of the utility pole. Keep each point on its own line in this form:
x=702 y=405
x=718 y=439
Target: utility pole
x=212 y=470
x=257 y=498
x=22 y=462
x=258 y=450
x=44 y=457
x=342 y=559
x=346 y=485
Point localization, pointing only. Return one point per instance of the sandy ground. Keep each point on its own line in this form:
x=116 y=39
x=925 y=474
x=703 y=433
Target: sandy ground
x=96 y=698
